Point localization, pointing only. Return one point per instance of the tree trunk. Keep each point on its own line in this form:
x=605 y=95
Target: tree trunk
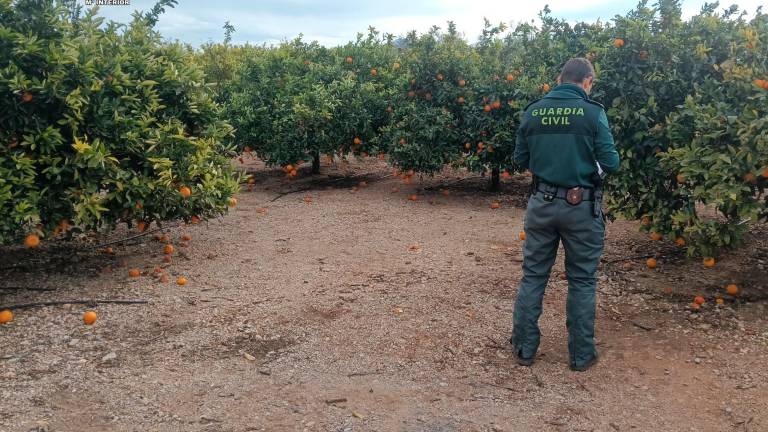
x=316 y=163
x=495 y=178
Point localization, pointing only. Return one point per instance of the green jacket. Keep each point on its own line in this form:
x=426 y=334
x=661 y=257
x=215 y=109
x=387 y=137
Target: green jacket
x=562 y=135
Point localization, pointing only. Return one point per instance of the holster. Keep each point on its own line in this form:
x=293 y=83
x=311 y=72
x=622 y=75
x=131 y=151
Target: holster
x=597 y=204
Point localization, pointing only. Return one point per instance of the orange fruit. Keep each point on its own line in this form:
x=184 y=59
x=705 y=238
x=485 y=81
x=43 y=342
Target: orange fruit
x=460 y=100
x=643 y=55
x=709 y=262
x=462 y=83
x=109 y=250
x=680 y=241
x=445 y=192
x=656 y=236
x=195 y=220
x=719 y=301
x=760 y=83
x=402 y=141
x=26 y=97
x=765 y=173
x=495 y=205
x=138 y=206
x=467 y=146
x=627 y=266
x=487 y=108
x=168 y=249
x=308 y=199
x=232 y=202
x=349 y=60
x=510 y=77
x=695 y=306
x=521 y=235
x=181 y=281
x=413 y=197
x=6 y=316
x=699 y=300
x=750 y=178
x=357 y=141
x=680 y=178
x=288 y=168
x=732 y=289
x=32 y=241
x=496 y=105
x=646 y=220
x=480 y=145
x=141 y=226
x=546 y=88
x=294 y=173
x=439 y=77
x=651 y=263
x=134 y=273
x=164 y=238
x=396 y=66
x=185 y=192
x=389 y=109
x=164 y=279
x=618 y=43
x=506 y=175
x=411 y=94
x=374 y=72
x=89 y=317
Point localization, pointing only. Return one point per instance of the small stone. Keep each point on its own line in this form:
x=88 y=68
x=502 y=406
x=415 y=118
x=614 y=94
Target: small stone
x=697 y=360
x=109 y=357
x=249 y=357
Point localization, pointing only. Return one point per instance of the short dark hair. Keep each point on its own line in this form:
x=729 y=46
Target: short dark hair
x=577 y=70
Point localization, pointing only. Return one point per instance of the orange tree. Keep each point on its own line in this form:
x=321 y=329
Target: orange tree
x=433 y=105
x=102 y=125
x=718 y=158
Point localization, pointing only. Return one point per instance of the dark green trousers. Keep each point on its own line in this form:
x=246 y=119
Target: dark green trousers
x=547 y=223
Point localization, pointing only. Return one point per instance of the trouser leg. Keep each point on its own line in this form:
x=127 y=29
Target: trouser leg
x=539 y=254
x=583 y=238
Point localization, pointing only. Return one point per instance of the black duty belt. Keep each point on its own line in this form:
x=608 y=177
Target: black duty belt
x=571 y=195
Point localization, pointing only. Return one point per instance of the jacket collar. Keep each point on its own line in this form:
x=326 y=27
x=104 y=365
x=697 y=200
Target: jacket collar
x=567 y=91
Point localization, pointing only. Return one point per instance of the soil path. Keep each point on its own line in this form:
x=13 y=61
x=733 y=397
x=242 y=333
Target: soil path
x=363 y=311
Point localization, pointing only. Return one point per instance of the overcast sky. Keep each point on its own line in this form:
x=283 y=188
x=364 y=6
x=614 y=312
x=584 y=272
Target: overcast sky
x=334 y=22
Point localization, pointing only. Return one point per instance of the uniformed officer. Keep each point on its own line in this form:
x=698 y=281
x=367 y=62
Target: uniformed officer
x=564 y=140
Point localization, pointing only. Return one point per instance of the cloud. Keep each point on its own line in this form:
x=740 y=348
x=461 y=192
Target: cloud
x=335 y=22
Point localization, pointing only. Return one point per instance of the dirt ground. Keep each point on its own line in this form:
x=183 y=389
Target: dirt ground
x=363 y=311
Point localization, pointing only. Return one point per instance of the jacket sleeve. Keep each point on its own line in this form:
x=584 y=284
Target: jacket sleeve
x=522 y=154
x=605 y=148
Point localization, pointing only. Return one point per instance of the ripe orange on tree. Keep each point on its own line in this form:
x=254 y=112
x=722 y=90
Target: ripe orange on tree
x=487 y=108
x=680 y=178
x=357 y=141
x=374 y=72
x=750 y=178
x=732 y=289
x=232 y=202
x=26 y=97
x=32 y=241
x=546 y=88
x=510 y=77
x=109 y=250
x=185 y=192
x=462 y=83
x=699 y=300
x=618 y=43
x=496 y=104
x=141 y=226
x=89 y=317
x=439 y=77
x=680 y=241
x=460 y=100
x=195 y=220
x=349 y=60
x=6 y=316
x=656 y=236
x=402 y=141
